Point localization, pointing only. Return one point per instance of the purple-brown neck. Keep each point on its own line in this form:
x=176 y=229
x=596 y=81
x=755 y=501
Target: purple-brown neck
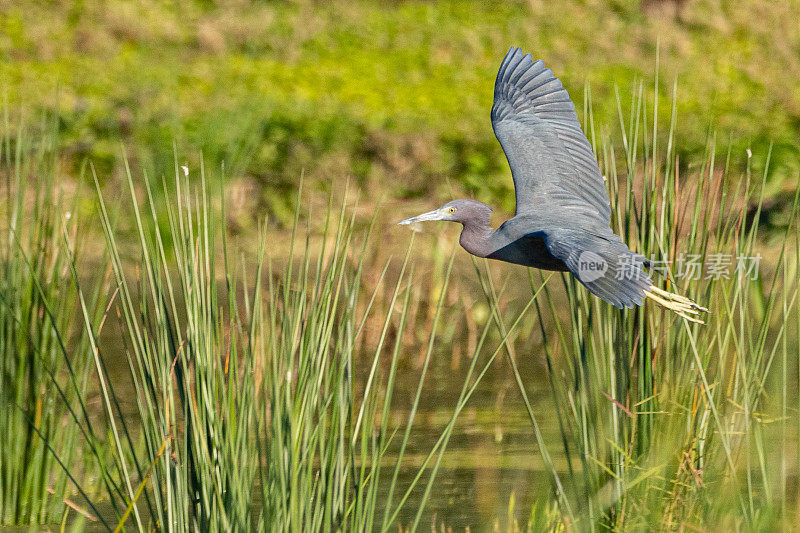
x=477 y=232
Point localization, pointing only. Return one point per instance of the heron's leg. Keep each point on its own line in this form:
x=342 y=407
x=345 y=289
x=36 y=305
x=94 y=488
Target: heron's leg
x=680 y=305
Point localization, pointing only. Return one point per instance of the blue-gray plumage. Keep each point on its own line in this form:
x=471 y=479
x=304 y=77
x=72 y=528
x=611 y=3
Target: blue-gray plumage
x=563 y=213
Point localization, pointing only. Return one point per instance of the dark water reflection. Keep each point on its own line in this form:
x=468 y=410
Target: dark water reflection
x=492 y=452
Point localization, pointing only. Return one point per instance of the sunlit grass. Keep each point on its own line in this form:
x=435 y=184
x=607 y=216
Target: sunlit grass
x=44 y=373
x=242 y=410
x=262 y=389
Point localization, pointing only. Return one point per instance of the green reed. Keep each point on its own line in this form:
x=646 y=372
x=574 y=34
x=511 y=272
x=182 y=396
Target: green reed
x=43 y=357
x=246 y=409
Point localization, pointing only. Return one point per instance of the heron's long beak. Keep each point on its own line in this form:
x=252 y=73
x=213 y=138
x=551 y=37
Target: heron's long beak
x=436 y=214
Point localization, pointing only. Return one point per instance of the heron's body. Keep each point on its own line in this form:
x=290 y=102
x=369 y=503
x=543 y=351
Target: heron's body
x=516 y=241
x=563 y=214
x=528 y=250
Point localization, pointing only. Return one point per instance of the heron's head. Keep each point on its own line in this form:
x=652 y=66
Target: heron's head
x=463 y=211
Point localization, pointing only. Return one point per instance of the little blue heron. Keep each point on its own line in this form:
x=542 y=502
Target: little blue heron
x=563 y=215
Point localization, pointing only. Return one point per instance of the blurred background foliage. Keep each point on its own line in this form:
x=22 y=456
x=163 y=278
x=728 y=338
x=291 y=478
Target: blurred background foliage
x=393 y=95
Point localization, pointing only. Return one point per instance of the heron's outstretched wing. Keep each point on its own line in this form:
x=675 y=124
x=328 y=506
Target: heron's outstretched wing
x=550 y=158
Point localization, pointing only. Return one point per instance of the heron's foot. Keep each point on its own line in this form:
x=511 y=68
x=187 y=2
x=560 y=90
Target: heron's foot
x=680 y=305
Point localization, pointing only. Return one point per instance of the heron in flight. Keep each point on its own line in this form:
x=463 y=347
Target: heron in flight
x=563 y=214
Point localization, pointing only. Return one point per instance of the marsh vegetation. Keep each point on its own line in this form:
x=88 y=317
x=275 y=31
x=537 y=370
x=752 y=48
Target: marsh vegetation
x=201 y=330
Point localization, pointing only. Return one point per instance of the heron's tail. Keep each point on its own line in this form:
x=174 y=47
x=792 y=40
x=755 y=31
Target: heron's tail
x=680 y=305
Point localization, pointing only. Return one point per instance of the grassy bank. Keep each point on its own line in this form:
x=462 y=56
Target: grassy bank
x=395 y=94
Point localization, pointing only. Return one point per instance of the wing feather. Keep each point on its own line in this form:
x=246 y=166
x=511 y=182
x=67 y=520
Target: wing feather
x=622 y=284
x=550 y=157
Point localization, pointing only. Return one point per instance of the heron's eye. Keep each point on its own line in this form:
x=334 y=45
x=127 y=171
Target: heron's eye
x=451 y=210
